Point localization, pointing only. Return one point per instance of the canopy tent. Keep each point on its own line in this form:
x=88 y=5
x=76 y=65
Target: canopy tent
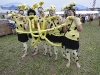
x=10 y=6
x=81 y=8
x=78 y=12
x=87 y=12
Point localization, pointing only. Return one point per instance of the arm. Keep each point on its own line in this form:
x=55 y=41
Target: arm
x=8 y=16
x=78 y=24
x=65 y=27
x=60 y=19
x=48 y=26
x=26 y=25
x=35 y=24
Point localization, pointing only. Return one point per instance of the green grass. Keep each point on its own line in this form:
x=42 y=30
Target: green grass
x=11 y=62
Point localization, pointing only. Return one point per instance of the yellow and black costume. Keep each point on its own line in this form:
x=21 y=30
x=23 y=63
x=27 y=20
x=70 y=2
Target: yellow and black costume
x=20 y=26
x=71 y=37
x=42 y=20
x=55 y=35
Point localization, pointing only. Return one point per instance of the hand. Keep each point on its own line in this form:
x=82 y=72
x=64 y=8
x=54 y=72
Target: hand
x=48 y=26
x=26 y=26
x=70 y=18
x=75 y=20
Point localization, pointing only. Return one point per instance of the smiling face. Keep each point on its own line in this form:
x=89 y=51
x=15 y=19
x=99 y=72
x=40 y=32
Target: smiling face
x=21 y=12
x=31 y=12
x=52 y=12
x=40 y=10
x=70 y=13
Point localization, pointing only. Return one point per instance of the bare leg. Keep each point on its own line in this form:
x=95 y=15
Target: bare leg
x=68 y=57
x=25 y=50
x=13 y=31
x=56 y=52
x=36 y=50
x=32 y=41
x=75 y=56
x=45 y=47
x=63 y=52
x=50 y=50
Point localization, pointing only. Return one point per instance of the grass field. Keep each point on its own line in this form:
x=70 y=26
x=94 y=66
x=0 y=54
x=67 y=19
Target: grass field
x=11 y=62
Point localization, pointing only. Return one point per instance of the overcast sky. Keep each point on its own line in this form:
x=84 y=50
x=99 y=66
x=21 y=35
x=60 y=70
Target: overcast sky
x=57 y=3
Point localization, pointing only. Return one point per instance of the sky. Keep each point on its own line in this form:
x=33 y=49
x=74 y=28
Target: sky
x=58 y=3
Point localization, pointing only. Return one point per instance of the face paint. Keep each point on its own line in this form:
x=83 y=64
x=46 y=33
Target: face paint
x=51 y=12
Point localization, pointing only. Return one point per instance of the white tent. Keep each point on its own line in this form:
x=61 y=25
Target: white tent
x=56 y=12
x=87 y=12
x=78 y=12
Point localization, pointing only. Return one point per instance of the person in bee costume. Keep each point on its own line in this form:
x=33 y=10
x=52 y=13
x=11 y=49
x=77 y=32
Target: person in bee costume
x=71 y=37
x=20 y=25
x=32 y=12
x=41 y=20
x=55 y=36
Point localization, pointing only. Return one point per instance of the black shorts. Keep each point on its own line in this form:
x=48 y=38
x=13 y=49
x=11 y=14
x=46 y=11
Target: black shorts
x=41 y=38
x=70 y=44
x=91 y=19
x=30 y=36
x=55 y=39
x=22 y=37
x=48 y=37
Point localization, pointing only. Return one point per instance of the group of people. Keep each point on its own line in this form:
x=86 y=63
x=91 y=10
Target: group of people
x=99 y=20
x=68 y=35
x=87 y=18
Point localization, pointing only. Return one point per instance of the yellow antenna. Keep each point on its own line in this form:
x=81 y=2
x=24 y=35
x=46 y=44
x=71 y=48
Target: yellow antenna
x=41 y=3
x=34 y=6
